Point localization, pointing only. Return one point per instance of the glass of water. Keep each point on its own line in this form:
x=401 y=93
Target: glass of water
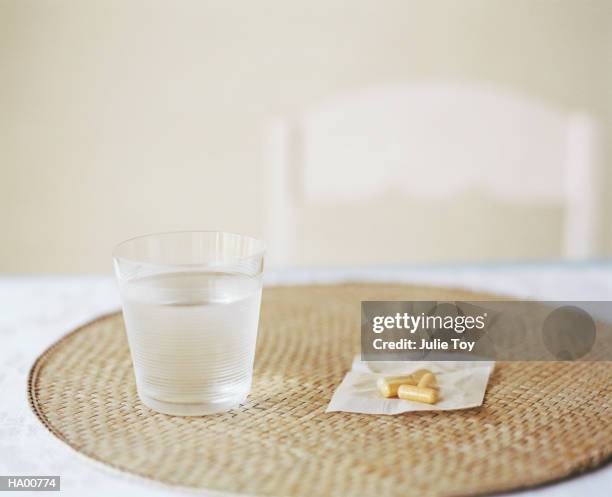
x=191 y=309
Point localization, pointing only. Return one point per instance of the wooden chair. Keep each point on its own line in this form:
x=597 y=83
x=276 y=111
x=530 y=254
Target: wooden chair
x=433 y=141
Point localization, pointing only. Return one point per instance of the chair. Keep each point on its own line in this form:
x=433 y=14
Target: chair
x=433 y=142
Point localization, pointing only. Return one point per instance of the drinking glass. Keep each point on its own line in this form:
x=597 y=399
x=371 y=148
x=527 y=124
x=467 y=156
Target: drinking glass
x=191 y=309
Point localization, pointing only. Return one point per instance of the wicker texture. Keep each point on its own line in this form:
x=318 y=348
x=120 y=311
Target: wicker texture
x=539 y=422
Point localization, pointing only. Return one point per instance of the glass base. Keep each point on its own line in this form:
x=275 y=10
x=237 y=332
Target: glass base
x=190 y=409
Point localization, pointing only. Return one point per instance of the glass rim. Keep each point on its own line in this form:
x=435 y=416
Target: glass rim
x=255 y=254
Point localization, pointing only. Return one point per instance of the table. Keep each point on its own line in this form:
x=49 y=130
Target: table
x=37 y=310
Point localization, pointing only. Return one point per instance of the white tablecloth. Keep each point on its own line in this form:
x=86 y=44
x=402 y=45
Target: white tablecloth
x=36 y=311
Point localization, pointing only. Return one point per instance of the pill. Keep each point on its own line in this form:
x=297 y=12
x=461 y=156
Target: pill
x=418 y=394
x=388 y=385
x=428 y=380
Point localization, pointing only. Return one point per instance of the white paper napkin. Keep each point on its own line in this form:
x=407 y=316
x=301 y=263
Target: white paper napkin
x=462 y=385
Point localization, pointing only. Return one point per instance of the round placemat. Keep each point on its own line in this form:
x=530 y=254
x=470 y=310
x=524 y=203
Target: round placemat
x=539 y=422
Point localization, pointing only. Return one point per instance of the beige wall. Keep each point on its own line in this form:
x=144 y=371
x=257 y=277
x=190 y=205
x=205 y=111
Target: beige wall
x=126 y=117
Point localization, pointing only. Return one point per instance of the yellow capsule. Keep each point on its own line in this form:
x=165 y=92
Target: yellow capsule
x=388 y=385
x=428 y=380
x=418 y=394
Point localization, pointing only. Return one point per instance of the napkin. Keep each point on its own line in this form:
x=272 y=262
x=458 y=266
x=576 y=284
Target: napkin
x=462 y=385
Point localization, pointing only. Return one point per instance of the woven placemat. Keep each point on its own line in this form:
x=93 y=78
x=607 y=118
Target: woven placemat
x=540 y=422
